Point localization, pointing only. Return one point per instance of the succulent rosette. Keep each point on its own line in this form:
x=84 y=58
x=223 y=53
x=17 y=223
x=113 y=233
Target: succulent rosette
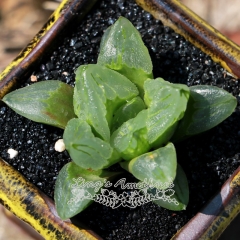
x=118 y=113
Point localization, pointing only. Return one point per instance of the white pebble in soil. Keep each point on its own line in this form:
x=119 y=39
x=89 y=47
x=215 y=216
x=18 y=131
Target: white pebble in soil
x=12 y=153
x=59 y=145
x=33 y=78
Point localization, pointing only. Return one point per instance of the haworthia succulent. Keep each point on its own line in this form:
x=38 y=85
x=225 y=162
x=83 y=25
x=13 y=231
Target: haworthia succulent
x=86 y=150
x=130 y=140
x=180 y=193
x=167 y=104
x=159 y=166
x=76 y=187
x=122 y=113
x=123 y=50
x=127 y=111
x=207 y=107
x=98 y=92
x=49 y=102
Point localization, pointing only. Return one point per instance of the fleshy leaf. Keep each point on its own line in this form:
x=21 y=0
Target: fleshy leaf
x=130 y=140
x=86 y=150
x=127 y=111
x=123 y=50
x=99 y=91
x=179 y=199
x=75 y=189
x=158 y=166
x=208 y=106
x=167 y=103
x=49 y=102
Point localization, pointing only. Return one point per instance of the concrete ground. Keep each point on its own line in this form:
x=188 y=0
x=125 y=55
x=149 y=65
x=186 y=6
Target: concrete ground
x=11 y=228
x=221 y=14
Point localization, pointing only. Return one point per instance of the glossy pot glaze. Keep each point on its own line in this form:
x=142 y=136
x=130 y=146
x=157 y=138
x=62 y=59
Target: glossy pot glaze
x=34 y=207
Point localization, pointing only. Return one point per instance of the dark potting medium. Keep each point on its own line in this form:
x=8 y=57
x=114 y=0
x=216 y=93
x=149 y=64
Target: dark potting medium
x=208 y=159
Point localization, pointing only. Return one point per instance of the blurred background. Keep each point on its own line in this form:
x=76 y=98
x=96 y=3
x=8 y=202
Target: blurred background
x=221 y=14
x=20 y=20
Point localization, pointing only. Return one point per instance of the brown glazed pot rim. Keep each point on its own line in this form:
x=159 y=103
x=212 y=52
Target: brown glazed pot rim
x=34 y=207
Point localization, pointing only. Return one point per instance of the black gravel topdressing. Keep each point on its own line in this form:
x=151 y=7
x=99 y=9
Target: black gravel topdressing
x=208 y=159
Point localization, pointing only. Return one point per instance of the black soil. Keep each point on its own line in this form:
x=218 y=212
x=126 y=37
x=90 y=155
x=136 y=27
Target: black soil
x=208 y=160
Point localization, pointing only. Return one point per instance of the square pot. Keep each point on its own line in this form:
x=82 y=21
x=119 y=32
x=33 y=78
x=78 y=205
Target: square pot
x=170 y=62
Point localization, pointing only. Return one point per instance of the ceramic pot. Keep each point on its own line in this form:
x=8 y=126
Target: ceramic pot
x=31 y=205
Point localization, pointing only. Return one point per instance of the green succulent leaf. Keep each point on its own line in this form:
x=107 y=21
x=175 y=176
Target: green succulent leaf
x=179 y=198
x=114 y=122
x=130 y=139
x=75 y=189
x=86 y=150
x=166 y=103
x=98 y=92
x=123 y=50
x=208 y=106
x=127 y=111
x=49 y=102
x=158 y=166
